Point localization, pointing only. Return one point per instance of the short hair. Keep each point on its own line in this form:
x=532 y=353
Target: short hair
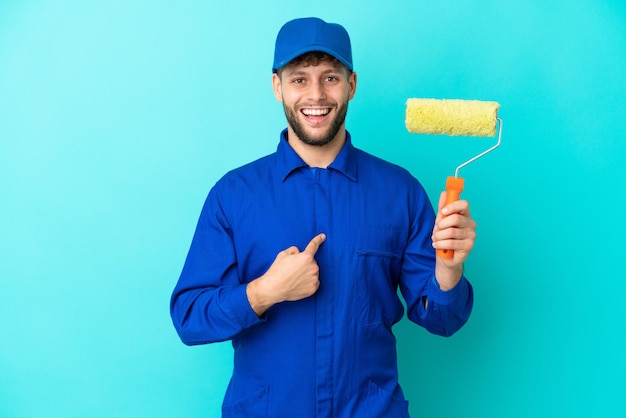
x=314 y=58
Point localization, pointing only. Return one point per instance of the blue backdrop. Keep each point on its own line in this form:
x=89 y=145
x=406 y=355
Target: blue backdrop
x=116 y=117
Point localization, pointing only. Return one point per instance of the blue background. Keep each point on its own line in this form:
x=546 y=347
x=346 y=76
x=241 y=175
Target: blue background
x=116 y=118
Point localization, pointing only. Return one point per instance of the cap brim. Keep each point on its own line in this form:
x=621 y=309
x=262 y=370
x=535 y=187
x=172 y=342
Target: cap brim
x=311 y=48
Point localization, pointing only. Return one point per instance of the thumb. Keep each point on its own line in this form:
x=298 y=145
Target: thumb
x=315 y=244
x=442 y=200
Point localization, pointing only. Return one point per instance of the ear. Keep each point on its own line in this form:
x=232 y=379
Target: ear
x=352 y=85
x=277 y=87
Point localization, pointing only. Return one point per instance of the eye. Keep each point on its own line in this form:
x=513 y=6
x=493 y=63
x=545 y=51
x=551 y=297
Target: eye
x=298 y=80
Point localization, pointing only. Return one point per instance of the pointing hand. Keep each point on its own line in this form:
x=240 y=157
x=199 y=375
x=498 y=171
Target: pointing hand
x=293 y=275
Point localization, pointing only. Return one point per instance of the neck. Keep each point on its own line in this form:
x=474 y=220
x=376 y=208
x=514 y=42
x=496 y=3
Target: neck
x=317 y=156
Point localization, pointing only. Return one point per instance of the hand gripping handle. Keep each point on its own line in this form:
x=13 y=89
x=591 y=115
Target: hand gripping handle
x=454 y=187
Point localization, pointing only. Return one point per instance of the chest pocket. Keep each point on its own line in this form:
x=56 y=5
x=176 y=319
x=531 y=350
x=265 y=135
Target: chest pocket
x=379 y=262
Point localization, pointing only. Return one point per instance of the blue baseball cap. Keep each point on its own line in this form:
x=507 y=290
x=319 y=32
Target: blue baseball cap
x=300 y=36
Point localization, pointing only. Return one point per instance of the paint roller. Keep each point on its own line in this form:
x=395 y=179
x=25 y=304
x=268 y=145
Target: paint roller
x=454 y=118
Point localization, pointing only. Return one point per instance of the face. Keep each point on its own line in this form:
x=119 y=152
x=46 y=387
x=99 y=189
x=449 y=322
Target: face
x=315 y=99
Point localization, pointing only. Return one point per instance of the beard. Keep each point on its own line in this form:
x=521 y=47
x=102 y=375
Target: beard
x=326 y=137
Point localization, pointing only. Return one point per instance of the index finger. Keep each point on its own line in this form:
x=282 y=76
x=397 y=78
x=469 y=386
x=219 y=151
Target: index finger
x=315 y=244
x=459 y=206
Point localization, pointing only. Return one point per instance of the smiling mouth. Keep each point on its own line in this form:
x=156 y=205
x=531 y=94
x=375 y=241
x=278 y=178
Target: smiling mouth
x=315 y=112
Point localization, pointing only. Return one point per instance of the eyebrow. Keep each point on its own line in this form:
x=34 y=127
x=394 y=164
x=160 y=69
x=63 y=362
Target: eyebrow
x=302 y=72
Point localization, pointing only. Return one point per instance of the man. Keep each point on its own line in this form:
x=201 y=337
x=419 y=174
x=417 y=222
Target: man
x=297 y=257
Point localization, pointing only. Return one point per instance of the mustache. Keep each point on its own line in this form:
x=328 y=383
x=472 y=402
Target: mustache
x=318 y=104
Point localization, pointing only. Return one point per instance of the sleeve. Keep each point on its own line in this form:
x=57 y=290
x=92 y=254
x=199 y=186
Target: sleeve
x=209 y=303
x=440 y=312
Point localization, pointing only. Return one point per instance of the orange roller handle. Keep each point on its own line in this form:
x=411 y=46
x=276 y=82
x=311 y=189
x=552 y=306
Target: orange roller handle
x=454 y=187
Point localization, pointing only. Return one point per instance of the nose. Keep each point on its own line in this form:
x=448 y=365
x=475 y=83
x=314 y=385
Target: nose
x=316 y=91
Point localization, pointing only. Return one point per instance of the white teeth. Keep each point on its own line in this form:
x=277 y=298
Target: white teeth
x=315 y=112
